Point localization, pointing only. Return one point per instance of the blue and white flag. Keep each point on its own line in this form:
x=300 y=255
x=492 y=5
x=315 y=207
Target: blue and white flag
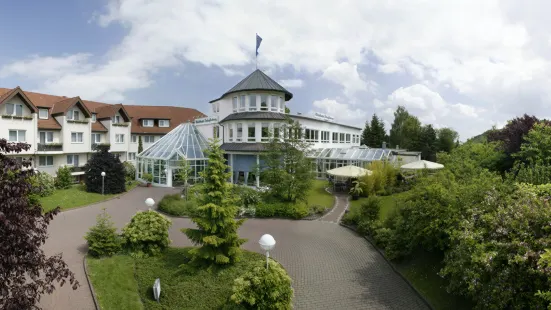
x=258 y=41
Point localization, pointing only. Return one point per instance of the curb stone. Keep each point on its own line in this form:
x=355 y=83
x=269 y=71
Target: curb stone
x=391 y=265
x=94 y=297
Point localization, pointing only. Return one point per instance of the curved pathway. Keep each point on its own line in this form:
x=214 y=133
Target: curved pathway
x=331 y=267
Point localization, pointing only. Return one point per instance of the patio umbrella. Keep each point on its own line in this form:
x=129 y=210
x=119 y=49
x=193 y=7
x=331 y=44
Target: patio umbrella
x=422 y=164
x=348 y=172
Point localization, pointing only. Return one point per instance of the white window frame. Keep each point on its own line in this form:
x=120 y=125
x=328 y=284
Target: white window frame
x=94 y=117
x=347 y=138
x=134 y=138
x=239 y=135
x=242 y=103
x=40 y=110
x=255 y=106
x=149 y=138
x=267 y=137
x=93 y=138
x=234 y=104
x=325 y=135
x=334 y=137
x=249 y=138
x=46 y=134
x=18 y=134
x=117 y=119
x=119 y=138
x=267 y=107
x=281 y=105
x=162 y=122
x=72 y=162
x=145 y=122
x=274 y=104
x=71 y=115
x=45 y=161
x=230 y=133
x=77 y=134
x=131 y=155
x=15 y=105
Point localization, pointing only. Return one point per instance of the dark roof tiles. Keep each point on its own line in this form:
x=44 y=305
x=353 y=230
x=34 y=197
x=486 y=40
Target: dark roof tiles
x=255 y=115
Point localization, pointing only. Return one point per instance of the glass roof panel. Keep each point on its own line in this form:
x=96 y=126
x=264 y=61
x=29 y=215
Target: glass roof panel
x=184 y=140
x=353 y=153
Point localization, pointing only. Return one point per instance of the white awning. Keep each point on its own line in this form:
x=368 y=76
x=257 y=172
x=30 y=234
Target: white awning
x=348 y=172
x=422 y=164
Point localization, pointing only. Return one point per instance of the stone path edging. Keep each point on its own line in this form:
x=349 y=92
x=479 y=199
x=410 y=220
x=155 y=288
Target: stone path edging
x=391 y=265
x=94 y=297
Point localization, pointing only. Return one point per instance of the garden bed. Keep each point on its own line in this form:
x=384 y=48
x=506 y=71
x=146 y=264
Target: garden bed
x=123 y=282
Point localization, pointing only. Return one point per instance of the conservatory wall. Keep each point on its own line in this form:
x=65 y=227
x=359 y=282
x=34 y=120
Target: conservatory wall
x=166 y=173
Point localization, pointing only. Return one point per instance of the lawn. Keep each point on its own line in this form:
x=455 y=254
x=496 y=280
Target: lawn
x=74 y=197
x=118 y=287
x=388 y=205
x=319 y=196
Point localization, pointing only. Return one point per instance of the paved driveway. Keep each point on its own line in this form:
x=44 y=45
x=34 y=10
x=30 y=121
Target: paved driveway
x=332 y=268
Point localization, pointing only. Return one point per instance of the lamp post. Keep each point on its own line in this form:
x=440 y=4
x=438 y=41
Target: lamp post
x=102 y=182
x=267 y=243
x=149 y=202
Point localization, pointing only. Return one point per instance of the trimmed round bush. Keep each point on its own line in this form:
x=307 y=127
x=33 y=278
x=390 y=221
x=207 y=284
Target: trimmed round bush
x=176 y=205
x=102 y=238
x=147 y=233
x=261 y=288
x=296 y=210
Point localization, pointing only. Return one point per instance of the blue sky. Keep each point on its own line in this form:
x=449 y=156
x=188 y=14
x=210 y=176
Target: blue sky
x=467 y=65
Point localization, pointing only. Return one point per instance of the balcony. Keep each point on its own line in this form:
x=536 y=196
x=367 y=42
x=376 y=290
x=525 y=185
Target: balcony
x=97 y=146
x=49 y=147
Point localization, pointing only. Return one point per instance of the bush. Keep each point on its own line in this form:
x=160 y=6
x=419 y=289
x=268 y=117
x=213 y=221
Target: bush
x=63 y=179
x=176 y=205
x=248 y=197
x=102 y=238
x=43 y=184
x=148 y=177
x=130 y=171
x=369 y=215
x=261 y=288
x=104 y=161
x=296 y=210
x=147 y=233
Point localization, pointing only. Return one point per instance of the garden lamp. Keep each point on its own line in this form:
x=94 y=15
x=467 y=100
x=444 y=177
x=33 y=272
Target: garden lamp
x=102 y=182
x=149 y=202
x=267 y=243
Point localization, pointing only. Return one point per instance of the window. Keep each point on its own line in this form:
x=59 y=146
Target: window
x=325 y=137
x=45 y=161
x=73 y=115
x=117 y=120
x=46 y=137
x=242 y=103
x=215 y=107
x=341 y=137
x=164 y=123
x=251 y=132
x=234 y=104
x=148 y=139
x=335 y=137
x=14 y=109
x=94 y=117
x=311 y=135
x=252 y=103
x=96 y=138
x=43 y=113
x=134 y=138
x=131 y=156
x=263 y=102
x=17 y=135
x=76 y=137
x=347 y=138
x=239 y=132
x=72 y=160
x=276 y=131
x=119 y=138
x=147 y=122
x=281 y=105
x=231 y=133
x=265 y=132
x=215 y=132
x=274 y=104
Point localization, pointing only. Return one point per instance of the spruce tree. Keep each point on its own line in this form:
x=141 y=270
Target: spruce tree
x=366 y=133
x=217 y=228
x=377 y=132
x=140 y=144
x=115 y=175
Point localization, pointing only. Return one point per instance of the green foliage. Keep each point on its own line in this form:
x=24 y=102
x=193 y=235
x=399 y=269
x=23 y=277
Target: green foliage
x=356 y=189
x=374 y=133
x=176 y=205
x=148 y=177
x=63 y=179
x=261 y=288
x=536 y=148
x=369 y=215
x=535 y=174
x=397 y=134
x=216 y=231
x=382 y=178
x=102 y=238
x=542 y=190
x=115 y=175
x=129 y=171
x=287 y=169
x=43 y=184
x=140 y=144
x=446 y=140
x=544 y=263
x=147 y=233
x=248 y=197
x=293 y=210
x=428 y=143
x=470 y=157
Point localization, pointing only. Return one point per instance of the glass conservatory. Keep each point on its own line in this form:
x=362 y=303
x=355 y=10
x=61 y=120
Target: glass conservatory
x=162 y=160
x=329 y=158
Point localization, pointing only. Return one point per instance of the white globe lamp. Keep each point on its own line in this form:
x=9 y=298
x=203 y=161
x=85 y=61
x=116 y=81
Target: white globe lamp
x=267 y=243
x=149 y=202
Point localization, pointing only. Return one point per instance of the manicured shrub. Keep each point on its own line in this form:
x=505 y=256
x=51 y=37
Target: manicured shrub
x=261 y=288
x=147 y=233
x=369 y=215
x=102 y=237
x=104 y=161
x=176 y=205
x=296 y=210
x=148 y=177
x=63 y=179
x=43 y=184
x=248 y=197
x=130 y=171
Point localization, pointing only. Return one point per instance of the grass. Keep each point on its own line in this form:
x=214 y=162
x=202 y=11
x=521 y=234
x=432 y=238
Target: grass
x=389 y=204
x=318 y=196
x=117 y=287
x=74 y=197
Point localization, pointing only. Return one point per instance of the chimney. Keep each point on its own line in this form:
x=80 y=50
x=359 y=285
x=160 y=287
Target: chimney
x=384 y=145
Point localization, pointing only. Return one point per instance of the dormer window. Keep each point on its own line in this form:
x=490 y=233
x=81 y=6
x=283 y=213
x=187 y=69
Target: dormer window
x=117 y=119
x=73 y=115
x=94 y=117
x=43 y=113
x=14 y=109
x=147 y=122
x=164 y=123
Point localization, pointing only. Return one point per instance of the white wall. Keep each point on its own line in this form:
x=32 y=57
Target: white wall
x=68 y=128
x=226 y=106
x=20 y=124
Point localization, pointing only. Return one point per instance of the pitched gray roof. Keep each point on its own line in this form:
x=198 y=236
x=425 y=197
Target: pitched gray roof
x=254 y=115
x=257 y=80
x=243 y=147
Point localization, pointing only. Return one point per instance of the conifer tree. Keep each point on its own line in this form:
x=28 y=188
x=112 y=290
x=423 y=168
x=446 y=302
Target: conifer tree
x=217 y=228
x=366 y=133
x=140 y=144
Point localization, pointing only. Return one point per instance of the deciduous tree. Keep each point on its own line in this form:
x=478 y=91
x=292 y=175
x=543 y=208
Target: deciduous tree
x=447 y=139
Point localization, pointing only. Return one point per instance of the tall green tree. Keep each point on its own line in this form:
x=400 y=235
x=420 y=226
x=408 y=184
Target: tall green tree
x=288 y=171
x=216 y=231
x=428 y=143
x=378 y=132
x=411 y=133
x=140 y=144
x=447 y=139
x=366 y=134
x=397 y=137
x=536 y=148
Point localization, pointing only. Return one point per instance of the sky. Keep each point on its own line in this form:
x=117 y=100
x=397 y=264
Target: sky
x=466 y=64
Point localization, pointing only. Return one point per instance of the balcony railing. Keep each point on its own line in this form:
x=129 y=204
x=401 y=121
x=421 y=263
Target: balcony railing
x=49 y=147
x=77 y=169
x=95 y=146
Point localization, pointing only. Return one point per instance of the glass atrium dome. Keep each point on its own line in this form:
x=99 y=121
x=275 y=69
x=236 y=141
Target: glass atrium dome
x=163 y=159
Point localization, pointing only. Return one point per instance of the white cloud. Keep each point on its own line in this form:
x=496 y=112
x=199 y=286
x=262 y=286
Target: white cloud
x=292 y=83
x=342 y=112
x=347 y=75
x=47 y=67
